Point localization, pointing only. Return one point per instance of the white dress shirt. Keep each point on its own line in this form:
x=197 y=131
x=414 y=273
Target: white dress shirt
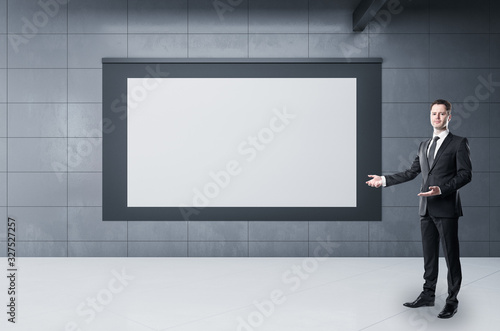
x=441 y=136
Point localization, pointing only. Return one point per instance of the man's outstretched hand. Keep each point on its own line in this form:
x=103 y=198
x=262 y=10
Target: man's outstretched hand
x=375 y=181
x=433 y=190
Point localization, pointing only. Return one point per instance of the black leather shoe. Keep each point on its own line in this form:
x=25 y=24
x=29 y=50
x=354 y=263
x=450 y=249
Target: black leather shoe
x=448 y=311
x=421 y=301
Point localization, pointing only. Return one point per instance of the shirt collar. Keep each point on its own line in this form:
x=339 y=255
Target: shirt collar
x=442 y=135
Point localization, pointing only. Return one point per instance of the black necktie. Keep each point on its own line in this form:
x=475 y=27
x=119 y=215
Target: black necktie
x=432 y=151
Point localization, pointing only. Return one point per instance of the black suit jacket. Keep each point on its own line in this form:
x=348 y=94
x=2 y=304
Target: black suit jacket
x=451 y=170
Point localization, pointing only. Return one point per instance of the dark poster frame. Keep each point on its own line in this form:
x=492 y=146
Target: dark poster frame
x=367 y=71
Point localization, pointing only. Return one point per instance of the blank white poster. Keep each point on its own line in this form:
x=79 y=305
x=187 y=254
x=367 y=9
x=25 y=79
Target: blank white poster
x=241 y=142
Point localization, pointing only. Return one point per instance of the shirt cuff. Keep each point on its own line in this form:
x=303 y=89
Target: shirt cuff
x=384 y=183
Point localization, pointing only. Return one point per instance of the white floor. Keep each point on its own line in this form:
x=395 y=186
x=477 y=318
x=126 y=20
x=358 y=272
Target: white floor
x=247 y=294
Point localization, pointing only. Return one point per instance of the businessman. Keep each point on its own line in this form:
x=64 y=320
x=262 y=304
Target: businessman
x=444 y=161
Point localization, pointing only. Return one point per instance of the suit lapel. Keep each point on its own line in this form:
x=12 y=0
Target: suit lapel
x=425 y=152
x=441 y=149
x=425 y=164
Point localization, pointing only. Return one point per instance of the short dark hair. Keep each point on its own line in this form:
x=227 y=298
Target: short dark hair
x=446 y=103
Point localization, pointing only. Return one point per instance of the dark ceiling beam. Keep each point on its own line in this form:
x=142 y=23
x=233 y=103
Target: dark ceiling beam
x=365 y=12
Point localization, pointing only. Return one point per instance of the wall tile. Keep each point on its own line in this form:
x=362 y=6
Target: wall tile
x=341 y=45
x=3 y=229
x=278 y=249
x=3 y=85
x=3 y=120
x=455 y=85
x=95 y=16
x=278 y=231
x=494 y=188
x=405 y=85
x=97 y=249
x=470 y=122
x=459 y=50
x=494 y=17
x=37 y=189
x=494 y=77
x=37 y=85
x=37 y=120
x=398 y=224
x=157 y=45
x=85 y=120
x=42 y=249
x=3 y=154
x=157 y=249
x=87 y=51
x=84 y=85
x=218 y=231
x=3 y=16
x=330 y=16
x=278 y=16
x=278 y=45
x=474 y=249
x=398 y=154
x=37 y=154
x=43 y=51
x=405 y=16
x=495 y=120
x=480 y=154
x=28 y=18
x=324 y=232
x=157 y=231
x=396 y=249
x=448 y=16
x=3 y=51
x=401 y=50
x=339 y=249
x=494 y=155
x=402 y=195
x=85 y=189
x=494 y=249
x=475 y=194
x=3 y=189
x=218 y=45
x=85 y=224
x=494 y=223
x=40 y=223
x=495 y=50
x=475 y=224
x=151 y=16
x=84 y=154
x=405 y=120
x=218 y=249
x=208 y=17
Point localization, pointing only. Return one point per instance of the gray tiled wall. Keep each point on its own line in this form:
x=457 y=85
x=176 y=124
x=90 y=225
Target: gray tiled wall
x=50 y=116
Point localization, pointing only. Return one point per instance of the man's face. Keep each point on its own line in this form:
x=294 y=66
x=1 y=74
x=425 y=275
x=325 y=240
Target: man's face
x=439 y=117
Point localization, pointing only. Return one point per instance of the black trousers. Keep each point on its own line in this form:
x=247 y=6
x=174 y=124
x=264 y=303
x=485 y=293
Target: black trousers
x=444 y=230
